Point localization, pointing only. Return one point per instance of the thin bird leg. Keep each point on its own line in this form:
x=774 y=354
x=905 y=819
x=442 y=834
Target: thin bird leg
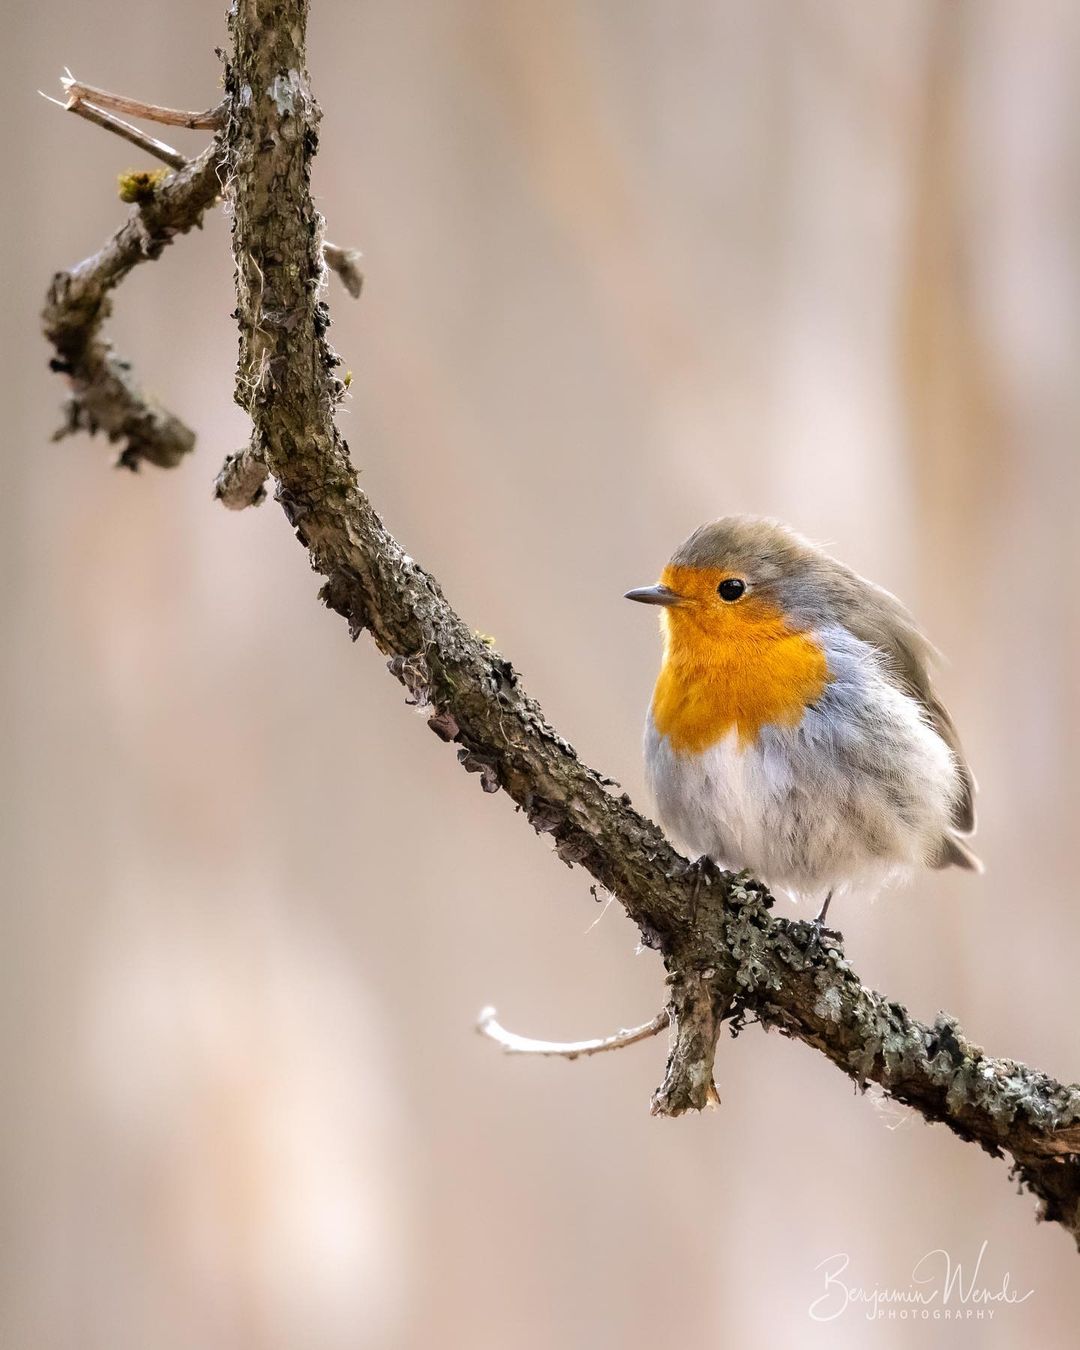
x=700 y=866
x=818 y=931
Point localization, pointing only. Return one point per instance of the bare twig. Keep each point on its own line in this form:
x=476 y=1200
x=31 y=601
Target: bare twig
x=513 y=1044
x=132 y=134
x=119 y=127
x=210 y=120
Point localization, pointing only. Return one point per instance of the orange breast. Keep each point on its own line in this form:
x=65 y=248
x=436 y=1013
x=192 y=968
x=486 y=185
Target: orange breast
x=738 y=668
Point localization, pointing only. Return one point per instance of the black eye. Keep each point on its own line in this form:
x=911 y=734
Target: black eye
x=731 y=589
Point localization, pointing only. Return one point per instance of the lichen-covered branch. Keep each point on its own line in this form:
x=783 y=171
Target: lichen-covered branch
x=104 y=394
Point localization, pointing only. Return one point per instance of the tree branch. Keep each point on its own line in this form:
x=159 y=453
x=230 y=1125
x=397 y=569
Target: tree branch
x=728 y=959
x=104 y=395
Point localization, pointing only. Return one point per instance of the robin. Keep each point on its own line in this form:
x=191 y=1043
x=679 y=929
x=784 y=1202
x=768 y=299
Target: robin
x=794 y=730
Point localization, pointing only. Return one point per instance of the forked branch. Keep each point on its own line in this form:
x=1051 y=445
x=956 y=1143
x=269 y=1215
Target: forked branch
x=105 y=395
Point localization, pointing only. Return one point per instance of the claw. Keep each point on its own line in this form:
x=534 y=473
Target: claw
x=819 y=935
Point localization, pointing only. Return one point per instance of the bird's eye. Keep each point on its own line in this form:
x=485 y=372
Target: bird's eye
x=731 y=589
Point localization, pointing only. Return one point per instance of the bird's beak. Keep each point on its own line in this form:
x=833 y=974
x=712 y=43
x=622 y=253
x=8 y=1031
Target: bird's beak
x=654 y=595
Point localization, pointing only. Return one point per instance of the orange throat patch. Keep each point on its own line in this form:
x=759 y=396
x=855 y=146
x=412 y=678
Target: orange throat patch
x=729 y=666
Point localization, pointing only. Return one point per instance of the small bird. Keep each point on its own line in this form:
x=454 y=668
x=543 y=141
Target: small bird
x=794 y=731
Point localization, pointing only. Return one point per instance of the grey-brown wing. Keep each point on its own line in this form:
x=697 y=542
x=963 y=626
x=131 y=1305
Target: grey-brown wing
x=964 y=810
x=886 y=624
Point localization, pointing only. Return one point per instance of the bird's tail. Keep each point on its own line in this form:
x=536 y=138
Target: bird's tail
x=953 y=852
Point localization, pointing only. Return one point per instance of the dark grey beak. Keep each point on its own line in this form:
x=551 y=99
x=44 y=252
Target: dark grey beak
x=654 y=595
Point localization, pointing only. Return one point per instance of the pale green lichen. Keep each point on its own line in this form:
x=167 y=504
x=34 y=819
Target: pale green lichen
x=830 y=1005
x=284 y=90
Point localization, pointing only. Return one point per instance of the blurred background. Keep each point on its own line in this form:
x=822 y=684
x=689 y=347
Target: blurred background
x=630 y=265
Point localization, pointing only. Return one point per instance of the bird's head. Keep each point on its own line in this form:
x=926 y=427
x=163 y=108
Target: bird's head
x=738 y=579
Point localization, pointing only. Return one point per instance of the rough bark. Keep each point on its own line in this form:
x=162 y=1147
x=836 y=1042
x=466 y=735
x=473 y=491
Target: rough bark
x=728 y=958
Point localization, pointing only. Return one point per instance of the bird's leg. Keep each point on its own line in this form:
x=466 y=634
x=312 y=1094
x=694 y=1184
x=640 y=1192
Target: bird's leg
x=818 y=931
x=698 y=867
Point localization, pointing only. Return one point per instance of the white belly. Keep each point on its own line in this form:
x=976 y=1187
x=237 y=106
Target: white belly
x=845 y=801
x=717 y=802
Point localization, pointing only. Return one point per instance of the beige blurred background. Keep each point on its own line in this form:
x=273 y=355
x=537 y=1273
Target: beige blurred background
x=630 y=264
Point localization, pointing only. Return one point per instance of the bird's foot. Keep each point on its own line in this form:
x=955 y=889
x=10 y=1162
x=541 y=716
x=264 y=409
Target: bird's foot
x=818 y=936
